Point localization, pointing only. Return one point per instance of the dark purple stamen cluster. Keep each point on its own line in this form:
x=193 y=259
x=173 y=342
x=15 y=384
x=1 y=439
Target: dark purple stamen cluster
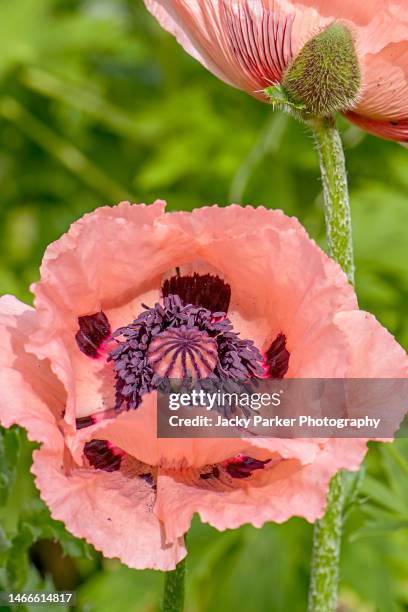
x=93 y=330
x=205 y=290
x=238 y=360
x=243 y=466
x=276 y=361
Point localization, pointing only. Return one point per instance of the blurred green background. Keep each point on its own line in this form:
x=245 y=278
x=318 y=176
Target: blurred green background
x=97 y=104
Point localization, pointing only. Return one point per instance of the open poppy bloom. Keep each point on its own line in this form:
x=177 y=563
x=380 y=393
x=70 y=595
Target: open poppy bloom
x=251 y=44
x=131 y=292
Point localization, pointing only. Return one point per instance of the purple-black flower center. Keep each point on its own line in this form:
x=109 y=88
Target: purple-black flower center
x=186 y=336
x=178 y=340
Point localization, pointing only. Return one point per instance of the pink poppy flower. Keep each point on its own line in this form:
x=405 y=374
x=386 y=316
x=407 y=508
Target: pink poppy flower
x=130 y=291
x=251 y=43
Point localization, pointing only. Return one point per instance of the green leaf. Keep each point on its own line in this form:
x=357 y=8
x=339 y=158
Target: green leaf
x=17 y=564
x=9 y=448
x=383 y=495
x=5 y=546
x=39 y=522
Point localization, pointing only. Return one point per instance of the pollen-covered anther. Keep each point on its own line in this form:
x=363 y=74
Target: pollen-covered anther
x=325 y=76
x=183 y=352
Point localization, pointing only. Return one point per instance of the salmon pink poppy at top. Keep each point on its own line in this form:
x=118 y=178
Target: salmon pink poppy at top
x=252 y=44
x=131 y=292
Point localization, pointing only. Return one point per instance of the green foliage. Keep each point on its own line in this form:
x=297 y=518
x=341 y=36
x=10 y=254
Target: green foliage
x=376 y=557
x=98 y=104
x=9 y=446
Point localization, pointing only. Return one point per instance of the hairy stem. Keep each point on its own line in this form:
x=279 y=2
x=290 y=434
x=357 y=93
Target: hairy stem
x=335 y=192
x=326 y=551
x=328 y=531
x=173 y=597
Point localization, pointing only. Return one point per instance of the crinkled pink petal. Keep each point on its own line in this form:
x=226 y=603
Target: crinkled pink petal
x=385 y=92
x=171 y=22
x=376 y=23
x=112 y=511
x=246 y=44
x=390 y=130
x=31 y=395
x=301 y=449
x=373 y=351
x=275 y=494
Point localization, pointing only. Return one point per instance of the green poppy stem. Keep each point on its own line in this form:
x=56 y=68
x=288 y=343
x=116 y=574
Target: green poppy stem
x=335 y=193
x=324 y=579
x=323 y=593
x=173 y=596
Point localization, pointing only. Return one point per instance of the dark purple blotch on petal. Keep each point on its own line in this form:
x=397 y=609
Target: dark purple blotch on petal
x=205 y=290
x=276 y=361
x=93 y=330
x=97 y=417
x=83 y=422
x=243 y=466
x=103 y=456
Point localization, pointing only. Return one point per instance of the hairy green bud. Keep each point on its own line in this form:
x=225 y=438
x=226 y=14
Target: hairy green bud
x=325 y=77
